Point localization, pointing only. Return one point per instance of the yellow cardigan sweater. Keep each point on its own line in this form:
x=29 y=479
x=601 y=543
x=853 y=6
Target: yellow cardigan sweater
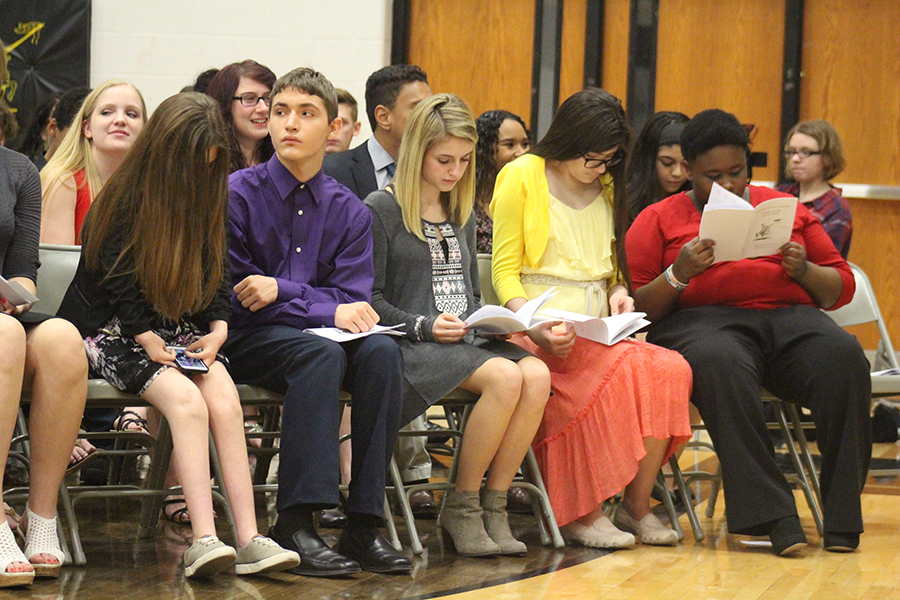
x=521 y=213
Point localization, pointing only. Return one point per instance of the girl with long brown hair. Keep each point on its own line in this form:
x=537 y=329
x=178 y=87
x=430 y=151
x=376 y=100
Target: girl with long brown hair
x=153 y=276
x=617 y=412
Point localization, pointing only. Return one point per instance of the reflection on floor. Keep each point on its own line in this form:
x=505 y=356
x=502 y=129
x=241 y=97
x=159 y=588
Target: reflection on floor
x=722 y=566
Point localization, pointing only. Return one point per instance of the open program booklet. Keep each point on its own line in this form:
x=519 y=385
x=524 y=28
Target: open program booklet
x=14 y=293
x=499 y=320
x=742 y=231
x=337 y=334
x=606 y=330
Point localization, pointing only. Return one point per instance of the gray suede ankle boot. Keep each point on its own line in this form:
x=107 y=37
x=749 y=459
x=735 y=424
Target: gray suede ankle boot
x=496 y=523
x=461 y=518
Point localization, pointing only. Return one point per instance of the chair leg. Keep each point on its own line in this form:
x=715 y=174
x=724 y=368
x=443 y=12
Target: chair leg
x=801 y=477
x=405 y=509
x=670 y=506
x=156 y=476
x=270 y=416
x=221 y=497
x=714 y=493
x=805 y=454
x=685 y=499
x=531 y=467
x=65 y=501
x=393 y=538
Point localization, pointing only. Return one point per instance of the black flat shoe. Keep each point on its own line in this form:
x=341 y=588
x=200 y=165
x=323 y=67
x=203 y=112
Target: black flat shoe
x=787 y=536
x=317 y=559
x=372 y=551
x=841 y=542
x=332 y=518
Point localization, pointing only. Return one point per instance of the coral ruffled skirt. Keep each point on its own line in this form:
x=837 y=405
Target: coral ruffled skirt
x=605 y=400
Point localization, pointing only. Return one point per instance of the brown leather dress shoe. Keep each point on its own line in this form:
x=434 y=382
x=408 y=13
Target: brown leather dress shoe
x=518 y=501
x=423 y=504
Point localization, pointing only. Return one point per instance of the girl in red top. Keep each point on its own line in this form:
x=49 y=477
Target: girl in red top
x=750 y=323
x=108 y=123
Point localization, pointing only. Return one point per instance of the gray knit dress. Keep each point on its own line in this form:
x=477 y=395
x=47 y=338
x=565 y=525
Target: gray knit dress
x=415 y=282
x=20 y=215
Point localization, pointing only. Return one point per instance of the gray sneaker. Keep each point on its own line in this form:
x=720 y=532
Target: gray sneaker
x=207 y=556
x=262 y=555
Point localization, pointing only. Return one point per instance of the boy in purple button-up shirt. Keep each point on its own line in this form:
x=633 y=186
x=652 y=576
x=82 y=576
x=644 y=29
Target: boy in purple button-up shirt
x=301 y=256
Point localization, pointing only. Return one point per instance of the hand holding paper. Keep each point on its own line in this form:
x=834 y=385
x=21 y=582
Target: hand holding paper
x=742 y=231
x=491 y=319
x=608 y=330
x=13 y=293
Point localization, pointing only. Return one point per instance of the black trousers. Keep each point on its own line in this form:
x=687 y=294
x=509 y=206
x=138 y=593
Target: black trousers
x=310 y=371
x=800 y=355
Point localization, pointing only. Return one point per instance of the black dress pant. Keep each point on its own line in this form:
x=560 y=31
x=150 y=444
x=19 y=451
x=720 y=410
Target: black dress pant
x=800 y=355
x=310 y=371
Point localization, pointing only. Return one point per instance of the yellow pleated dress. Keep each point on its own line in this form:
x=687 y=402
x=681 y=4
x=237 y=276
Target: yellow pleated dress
x=606 y=399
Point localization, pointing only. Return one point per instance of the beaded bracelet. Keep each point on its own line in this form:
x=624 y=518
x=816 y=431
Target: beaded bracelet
x=417 y=329
x=673 y=281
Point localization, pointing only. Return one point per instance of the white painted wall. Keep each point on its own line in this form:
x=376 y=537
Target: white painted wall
x=162 y=45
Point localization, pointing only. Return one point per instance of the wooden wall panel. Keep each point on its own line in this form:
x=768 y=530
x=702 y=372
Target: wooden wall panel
x=710 y=56
x=876 y=248
x=571 y=67
x=851 y=70
x=481 y=51
x=615 y=48
x=851 y=78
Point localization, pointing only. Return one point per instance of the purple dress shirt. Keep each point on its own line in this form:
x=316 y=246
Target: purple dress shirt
x=313 y=237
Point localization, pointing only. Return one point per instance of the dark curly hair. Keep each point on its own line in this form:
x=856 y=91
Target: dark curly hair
x=593 y=120
x=33 y=143
x=642 y=181
x=710 y=129
x=488 y=125
x=222 y=88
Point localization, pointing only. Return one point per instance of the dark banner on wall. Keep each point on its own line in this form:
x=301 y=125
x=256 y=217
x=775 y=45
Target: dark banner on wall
x=48 y=46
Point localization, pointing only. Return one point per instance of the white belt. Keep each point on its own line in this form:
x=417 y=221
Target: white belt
x=593 y=290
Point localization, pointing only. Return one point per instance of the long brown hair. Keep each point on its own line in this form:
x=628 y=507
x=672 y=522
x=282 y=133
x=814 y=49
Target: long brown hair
x=593 y=120
x=170 y=202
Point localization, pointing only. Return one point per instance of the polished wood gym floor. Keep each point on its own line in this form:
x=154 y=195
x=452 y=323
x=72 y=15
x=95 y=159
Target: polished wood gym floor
x=721 y=566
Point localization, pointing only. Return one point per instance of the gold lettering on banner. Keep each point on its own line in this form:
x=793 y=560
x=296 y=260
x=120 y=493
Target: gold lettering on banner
x=30 y=30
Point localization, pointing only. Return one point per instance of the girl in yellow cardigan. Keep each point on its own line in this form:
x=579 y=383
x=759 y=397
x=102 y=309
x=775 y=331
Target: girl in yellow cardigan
x=617 y=412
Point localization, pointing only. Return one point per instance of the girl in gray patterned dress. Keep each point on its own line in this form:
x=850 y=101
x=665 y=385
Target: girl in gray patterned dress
x=40 y=354
x=153 y=275
x=426 y=278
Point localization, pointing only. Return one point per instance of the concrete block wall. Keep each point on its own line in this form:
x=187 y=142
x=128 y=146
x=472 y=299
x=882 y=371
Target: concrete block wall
x=162 y=45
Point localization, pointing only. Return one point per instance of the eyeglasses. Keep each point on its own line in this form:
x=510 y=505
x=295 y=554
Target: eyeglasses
x=252 y=99
x=803 y=153
x=595 y=163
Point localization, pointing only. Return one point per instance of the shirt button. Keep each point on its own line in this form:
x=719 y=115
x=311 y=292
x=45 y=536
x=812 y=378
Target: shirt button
x=298 y=249
x=300 y=212
x=302 y=186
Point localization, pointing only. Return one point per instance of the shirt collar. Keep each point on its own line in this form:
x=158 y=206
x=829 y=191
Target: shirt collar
x=380 y=156
x=286 y=183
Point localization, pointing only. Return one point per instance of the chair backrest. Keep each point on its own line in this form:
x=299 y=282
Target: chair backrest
x=58 y=265
x=864 y=309
x=488 y=296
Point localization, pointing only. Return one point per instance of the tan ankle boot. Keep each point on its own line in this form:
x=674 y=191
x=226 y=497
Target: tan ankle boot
x=461 y=518
x=496 y=522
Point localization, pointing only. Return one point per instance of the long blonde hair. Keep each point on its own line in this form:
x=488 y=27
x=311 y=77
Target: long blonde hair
x=74 y=152
x=434 y=120
x=169 y=203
